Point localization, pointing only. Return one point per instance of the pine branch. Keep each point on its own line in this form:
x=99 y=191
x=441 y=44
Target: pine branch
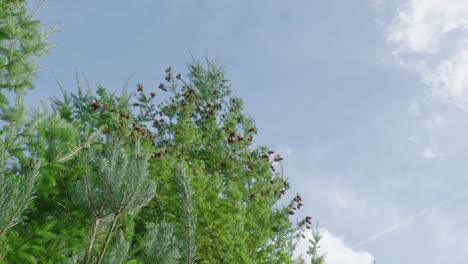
x=91 y=242
x=186 y=215
x=108 y=237
x=87 y=144
x=16 y=196
x=158 y=245
x=120 y=186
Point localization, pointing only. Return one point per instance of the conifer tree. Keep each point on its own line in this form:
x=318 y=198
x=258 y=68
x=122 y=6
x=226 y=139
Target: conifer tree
x=119 y=187
x=315 y=257
x=237 y=189
x=217 y=194
x=23 y=40
x=121 y=178
x=18 y=174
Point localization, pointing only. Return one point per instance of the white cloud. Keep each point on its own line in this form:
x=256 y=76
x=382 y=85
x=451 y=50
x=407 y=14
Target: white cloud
x=422 y=26
x=432 y=152
x=430 y=37
x=335 y=249
x=414 y=109
x=434 y=121
x=341 y=198
x=432 y=149
x=448 y=80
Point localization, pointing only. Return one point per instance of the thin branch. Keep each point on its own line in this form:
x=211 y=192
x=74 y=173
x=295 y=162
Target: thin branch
x=91 y=242
x=108 y=237
x=87 y=144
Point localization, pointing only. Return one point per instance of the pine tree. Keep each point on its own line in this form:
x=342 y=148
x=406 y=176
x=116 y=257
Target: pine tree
x=120 y=178
x=23 y=40
x=315 y=257
x=218 y=194
x=236 y=186
x=119 y=187
x=18 y=174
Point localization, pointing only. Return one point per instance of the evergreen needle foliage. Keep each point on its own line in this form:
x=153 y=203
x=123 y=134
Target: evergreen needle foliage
x=16 y=191
x=18 y=173
x=119 y=187
x=315 y=257
x=159 y=244
x=135 y=177
x=186 y=216
x=23 y=40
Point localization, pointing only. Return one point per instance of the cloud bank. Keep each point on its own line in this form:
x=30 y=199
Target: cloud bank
x=335 y=250
x=430 y=37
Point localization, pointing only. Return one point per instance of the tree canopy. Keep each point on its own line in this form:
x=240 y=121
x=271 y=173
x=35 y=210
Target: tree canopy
x=165 y=173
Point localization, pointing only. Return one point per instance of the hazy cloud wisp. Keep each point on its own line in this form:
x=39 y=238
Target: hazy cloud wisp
x=430 y=37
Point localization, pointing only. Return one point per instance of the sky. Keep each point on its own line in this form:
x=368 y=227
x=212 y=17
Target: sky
x=366 y=99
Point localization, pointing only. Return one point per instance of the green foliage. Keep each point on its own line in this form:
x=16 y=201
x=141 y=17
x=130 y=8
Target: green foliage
x=110 y=190
x=16 y=190
x=119 y=187
x=186 y=217
x=53 y=140
x=18 y=172
x=119 y=251
x=159 y=244
x=23 y=40
x=313 y=248
x=236 y=188
x=93 y=165
x=218 y=195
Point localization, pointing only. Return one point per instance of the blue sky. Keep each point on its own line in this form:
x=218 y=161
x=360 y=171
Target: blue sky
x=366 y=99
